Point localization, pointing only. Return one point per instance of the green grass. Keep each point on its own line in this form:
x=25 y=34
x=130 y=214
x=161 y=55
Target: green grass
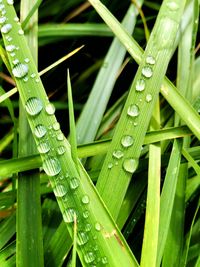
x=128 y=193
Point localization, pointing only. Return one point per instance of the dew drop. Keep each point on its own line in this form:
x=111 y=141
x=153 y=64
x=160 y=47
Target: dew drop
x=61 y=150
x=86 y=214
x=130 y=165
x=2 y=20
x=173 y=6
x=56 y=126
x=140 y=85
x=104 y=260
x=147 y=72
x=69 y=214
x=60 y=190
x=33 y=75
x=20 y=70
x=27 y=60
x=12 y=54
x=82 y=238
x=10 y=48
x=98 y=226
x=118 y=154
x=16 y=19
x=16 y=61
x=50 y=109
x=20 y=32
x=40 y=131
x=110 y=165
x=37 y=80
x=88 y=227
x=150 y=60
x=133 y=110
x=74 y=183
x=25 y=79
x=33 y=106
x=10 y=2
x=6 y=28
x=89 y=257
x=60 y=136
x=127 y=141
x=51 y=166
x=148 y=98
x=43 y=147
x=3 y=12
x=10 y=39
x=85 y=199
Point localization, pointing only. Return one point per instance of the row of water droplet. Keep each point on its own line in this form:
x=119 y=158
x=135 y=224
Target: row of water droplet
x=133 y=111
x=64 y=185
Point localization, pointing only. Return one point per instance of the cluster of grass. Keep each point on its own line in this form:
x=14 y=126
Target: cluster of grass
x=110 y=177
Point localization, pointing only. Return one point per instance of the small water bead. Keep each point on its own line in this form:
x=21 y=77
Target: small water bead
x=2 y=6
x=88 y=227
x=16 y=19
x=150 y=60
x=173 y=6
x=56 y=126
x=12 y=54
x=86 y=214
x=33 y=75
x=43 y=147
x=25 y=79
x=60 y=190
x=10 y=2
x=68 y=215
x=74 y=183
x=110 y=165
x=82 y=238
x=127 y=141
x=130 y=165
x=148 y=98
x=20 y=32
x=10 y=39
x=20 y=70
x=50 y=109
x=16 y=61
x=27 y=60
x=61 y=150
x=89 y=257
x=104 y=260
x=2 y=20
x=51 y=166
x=37 y=80
x=3 y=12
x=10 y=48
x=85 y=199
x=118 y=154
x=60 y=137
x=140 y=85
x=6 y=28
x=133 y=111
x=98 y=226
x=40 y=131
x=147 y=72
x=33 y=106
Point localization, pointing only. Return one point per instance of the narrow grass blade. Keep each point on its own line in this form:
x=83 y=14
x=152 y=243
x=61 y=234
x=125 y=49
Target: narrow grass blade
x=7 y=229
x=132 y=126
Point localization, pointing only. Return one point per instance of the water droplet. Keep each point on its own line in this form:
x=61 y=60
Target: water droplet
x=51 y=166
x=140 y=85
x=37 y=80
x=6 y=28
x=56 y=126
x=10 y=2
x=40 y=131
x=10 y=48
x=61 y=150
x=2 y=20
x=104 y=260
x=27 y=60
x=127 y=141
x=20 y=70
x=172 y=6
x=16 y=19
x=68 y=215
x=74 y=183
x=88 y=227
x=133 y=111
x=150 y=60
x=82 y=238
x=86 y=214
x=50 y=109
x=85 y=199
x=60 y=137
x=118 y=154
x=98 y=226
x=43 y=147
x=110 y=165
x=10 y=39
x=3 y=12
x=148 y=98
x=135 y=124
x=12 y=54
x=33 y=75
x=130 y=165
x=147 y=72
x=33 y=106
x=20 y=32
x=89 y=257
x=60 y=190
x=15 y=61
x=25 y=79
